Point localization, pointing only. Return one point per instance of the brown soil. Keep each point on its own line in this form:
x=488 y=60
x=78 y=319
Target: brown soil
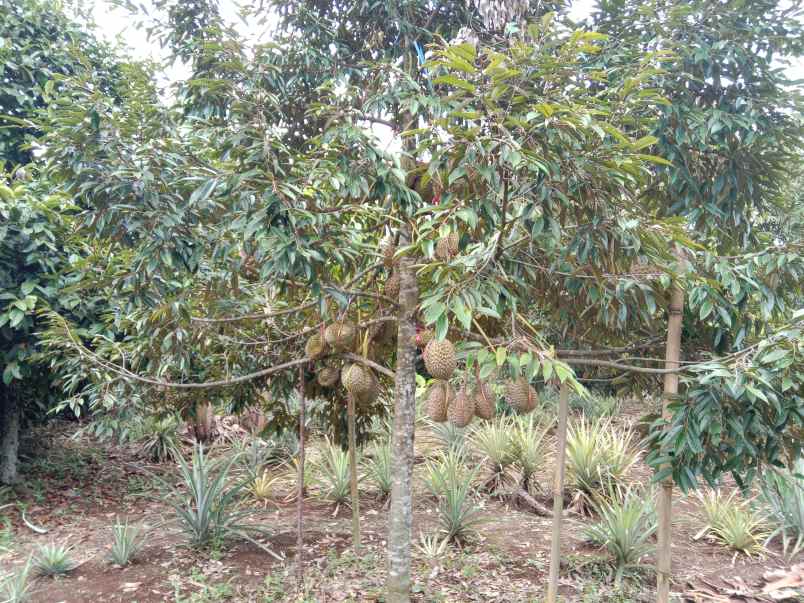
x=507 y=562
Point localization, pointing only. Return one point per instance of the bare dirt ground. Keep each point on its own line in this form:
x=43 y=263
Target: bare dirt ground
x=77 y=488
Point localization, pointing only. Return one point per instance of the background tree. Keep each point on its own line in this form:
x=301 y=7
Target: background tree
x=40 y=42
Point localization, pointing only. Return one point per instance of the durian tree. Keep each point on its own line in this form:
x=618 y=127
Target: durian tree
x=515 y=210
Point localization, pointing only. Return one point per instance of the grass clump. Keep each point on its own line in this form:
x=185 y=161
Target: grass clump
x=627 y=521
x=127 y=541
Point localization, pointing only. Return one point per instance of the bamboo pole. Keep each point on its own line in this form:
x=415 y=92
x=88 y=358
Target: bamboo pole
x=665 y=504
x=558 y=493
x=300 y=487
x=350 y=410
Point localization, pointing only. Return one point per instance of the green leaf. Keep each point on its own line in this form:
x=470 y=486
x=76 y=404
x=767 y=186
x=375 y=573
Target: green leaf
x=462 y=313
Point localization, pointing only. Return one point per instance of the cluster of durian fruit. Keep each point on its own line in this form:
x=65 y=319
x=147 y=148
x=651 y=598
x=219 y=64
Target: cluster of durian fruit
x=444 y=403
x=359 y=380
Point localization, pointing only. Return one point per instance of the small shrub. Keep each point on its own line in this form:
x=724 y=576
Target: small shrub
x=158 y=438
x=53 y=560
x=627 y=522
x=782 y=492
x=598 y=456
x=16 y=587
x=451 y=481
x=331 y=474
x=733 y=522
x=378 y=467
x=127 y=542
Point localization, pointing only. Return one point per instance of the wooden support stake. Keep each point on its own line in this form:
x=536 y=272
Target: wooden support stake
x=300 y=487
x=350 y=410
x=558 y=493
x=665 y=504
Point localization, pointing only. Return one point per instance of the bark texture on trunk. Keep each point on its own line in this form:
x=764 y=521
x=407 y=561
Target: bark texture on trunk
x=558 y=493
x=665 y=504
x=9 y=434
x=400 y=517
x=300 y=487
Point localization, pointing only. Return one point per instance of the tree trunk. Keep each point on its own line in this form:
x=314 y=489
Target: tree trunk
x=9 y=434
x=400 y=517
x=350 y=409
x=300 y=486
x=558 y=493
x=665 y=506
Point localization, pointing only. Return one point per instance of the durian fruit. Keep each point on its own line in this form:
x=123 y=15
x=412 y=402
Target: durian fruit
x=462 y=410
x=361 y=382
x=438 y=400
x=521 y=396
x=315 y=347
x=373 y=392
x=423 y=338
x=485 y=401
x=328 y=376
x=388 y=249
x=341 y=335
x=356 y=379
x=392 y=286
x=439 y=358
x=447 y=247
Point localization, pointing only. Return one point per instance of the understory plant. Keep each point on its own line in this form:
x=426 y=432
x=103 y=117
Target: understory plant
x=527 y=448
x=261 y=487
x=331 y=473
x=378 y=467
x=733 y=522
x=158 y=437
x=448 y=436
x=782 y=492
x=493 y=442
x=599 y=455
x=54 y=559
x=127 y=541
x=627 y=521
x=450 y=481
x=206 y=504
x=16 y=587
